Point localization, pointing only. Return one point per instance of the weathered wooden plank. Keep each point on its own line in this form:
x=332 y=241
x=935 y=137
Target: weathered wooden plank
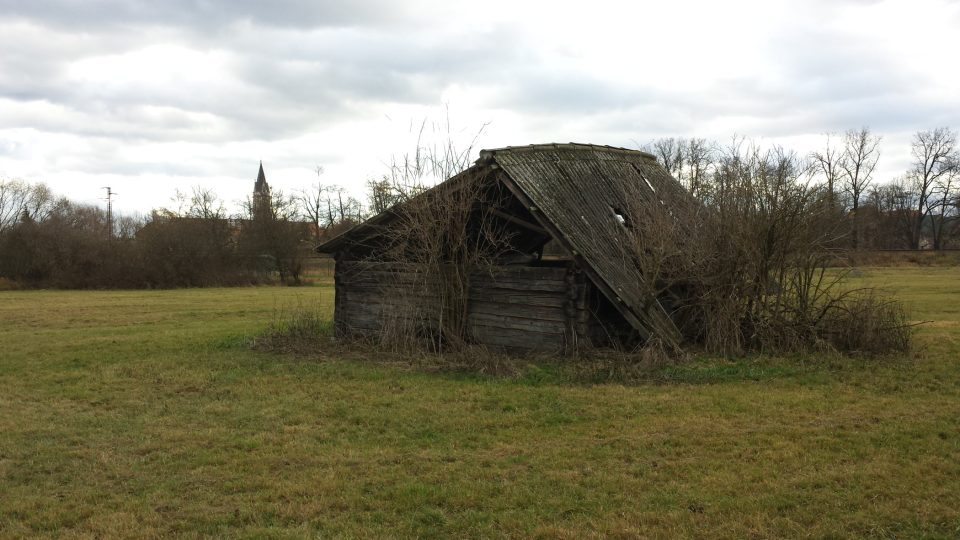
x=387 y=310
x=485 y=300
x=541 y=272
x=498 y=309
x=520 y=277
x=390 y=297
x=399 y=280
x=517 y=339
x=478 y=287
x=533 y=298
x=497 y=282
x=532 y=331
x=549 y=273
x=519 y=284
x=483 y=319
x=377 y=318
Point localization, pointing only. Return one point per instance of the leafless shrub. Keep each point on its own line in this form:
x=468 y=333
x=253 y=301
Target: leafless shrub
x=296 y=328
x=866 y=322
x=432 y=247
x=8 y=284
x=748 y=266
x=434 y=241
x=437 y=155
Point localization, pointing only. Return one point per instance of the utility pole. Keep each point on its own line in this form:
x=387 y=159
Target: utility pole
x=110 y=194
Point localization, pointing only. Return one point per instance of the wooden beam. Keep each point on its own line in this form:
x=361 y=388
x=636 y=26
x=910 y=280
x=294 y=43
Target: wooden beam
x=517 y=221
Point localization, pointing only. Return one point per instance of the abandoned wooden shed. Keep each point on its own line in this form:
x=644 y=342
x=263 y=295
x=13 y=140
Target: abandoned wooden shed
x=552 y=221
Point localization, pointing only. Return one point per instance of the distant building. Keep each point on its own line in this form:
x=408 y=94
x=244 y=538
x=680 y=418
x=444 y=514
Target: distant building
x=262 y=205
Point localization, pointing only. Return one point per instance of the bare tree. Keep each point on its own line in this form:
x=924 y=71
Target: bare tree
x=893 y=204
x=200 y=203
x=935 y=155
x=943 y=205
x=313 y=203
x=690 y=161
x=20 y=200
x=272 y=237
x=205 y=204
x=669 y=152
x=828 y=162
x=384 y=193
x=860 y=155
x=700 y=156
x=328 y=207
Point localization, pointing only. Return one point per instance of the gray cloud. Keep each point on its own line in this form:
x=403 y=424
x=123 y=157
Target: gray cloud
x=542 y=91
x=204 y=14
x=285 y=70
x=286 y=81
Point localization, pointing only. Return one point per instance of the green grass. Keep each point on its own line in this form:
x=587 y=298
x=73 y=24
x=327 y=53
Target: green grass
x=146 y=414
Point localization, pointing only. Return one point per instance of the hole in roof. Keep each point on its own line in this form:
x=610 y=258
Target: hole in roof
x=620 y=216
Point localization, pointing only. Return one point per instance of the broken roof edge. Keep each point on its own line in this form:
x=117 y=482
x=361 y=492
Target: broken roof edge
x=369 y=225
x=488 y=154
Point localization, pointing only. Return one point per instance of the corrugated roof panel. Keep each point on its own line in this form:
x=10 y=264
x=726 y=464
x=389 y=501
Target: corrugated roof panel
x=579 y=189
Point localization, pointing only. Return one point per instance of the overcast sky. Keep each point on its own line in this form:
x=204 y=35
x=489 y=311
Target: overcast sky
x=153 y=96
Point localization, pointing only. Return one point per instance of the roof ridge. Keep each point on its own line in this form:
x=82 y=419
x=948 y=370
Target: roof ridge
x=489 y=152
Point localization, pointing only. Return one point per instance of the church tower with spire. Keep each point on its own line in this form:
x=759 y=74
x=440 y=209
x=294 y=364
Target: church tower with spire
x=261 y=194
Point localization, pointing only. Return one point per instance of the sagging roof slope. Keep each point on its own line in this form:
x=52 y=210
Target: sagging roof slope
x=576 y=191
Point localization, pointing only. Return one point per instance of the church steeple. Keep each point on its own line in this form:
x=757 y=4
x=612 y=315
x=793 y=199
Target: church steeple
x=261 y=196
x=261 y=187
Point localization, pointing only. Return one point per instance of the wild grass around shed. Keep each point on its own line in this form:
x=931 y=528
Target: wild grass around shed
x=865 y=327
x=300 y=326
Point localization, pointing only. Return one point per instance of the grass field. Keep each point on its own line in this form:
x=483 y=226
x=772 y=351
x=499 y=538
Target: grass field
x=147 y=414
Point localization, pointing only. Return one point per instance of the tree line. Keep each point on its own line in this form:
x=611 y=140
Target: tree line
x=51 y=241
x=917 y=209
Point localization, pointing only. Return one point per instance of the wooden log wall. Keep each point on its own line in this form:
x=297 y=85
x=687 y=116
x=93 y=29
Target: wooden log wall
x=519 y=307
x=529 y=308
